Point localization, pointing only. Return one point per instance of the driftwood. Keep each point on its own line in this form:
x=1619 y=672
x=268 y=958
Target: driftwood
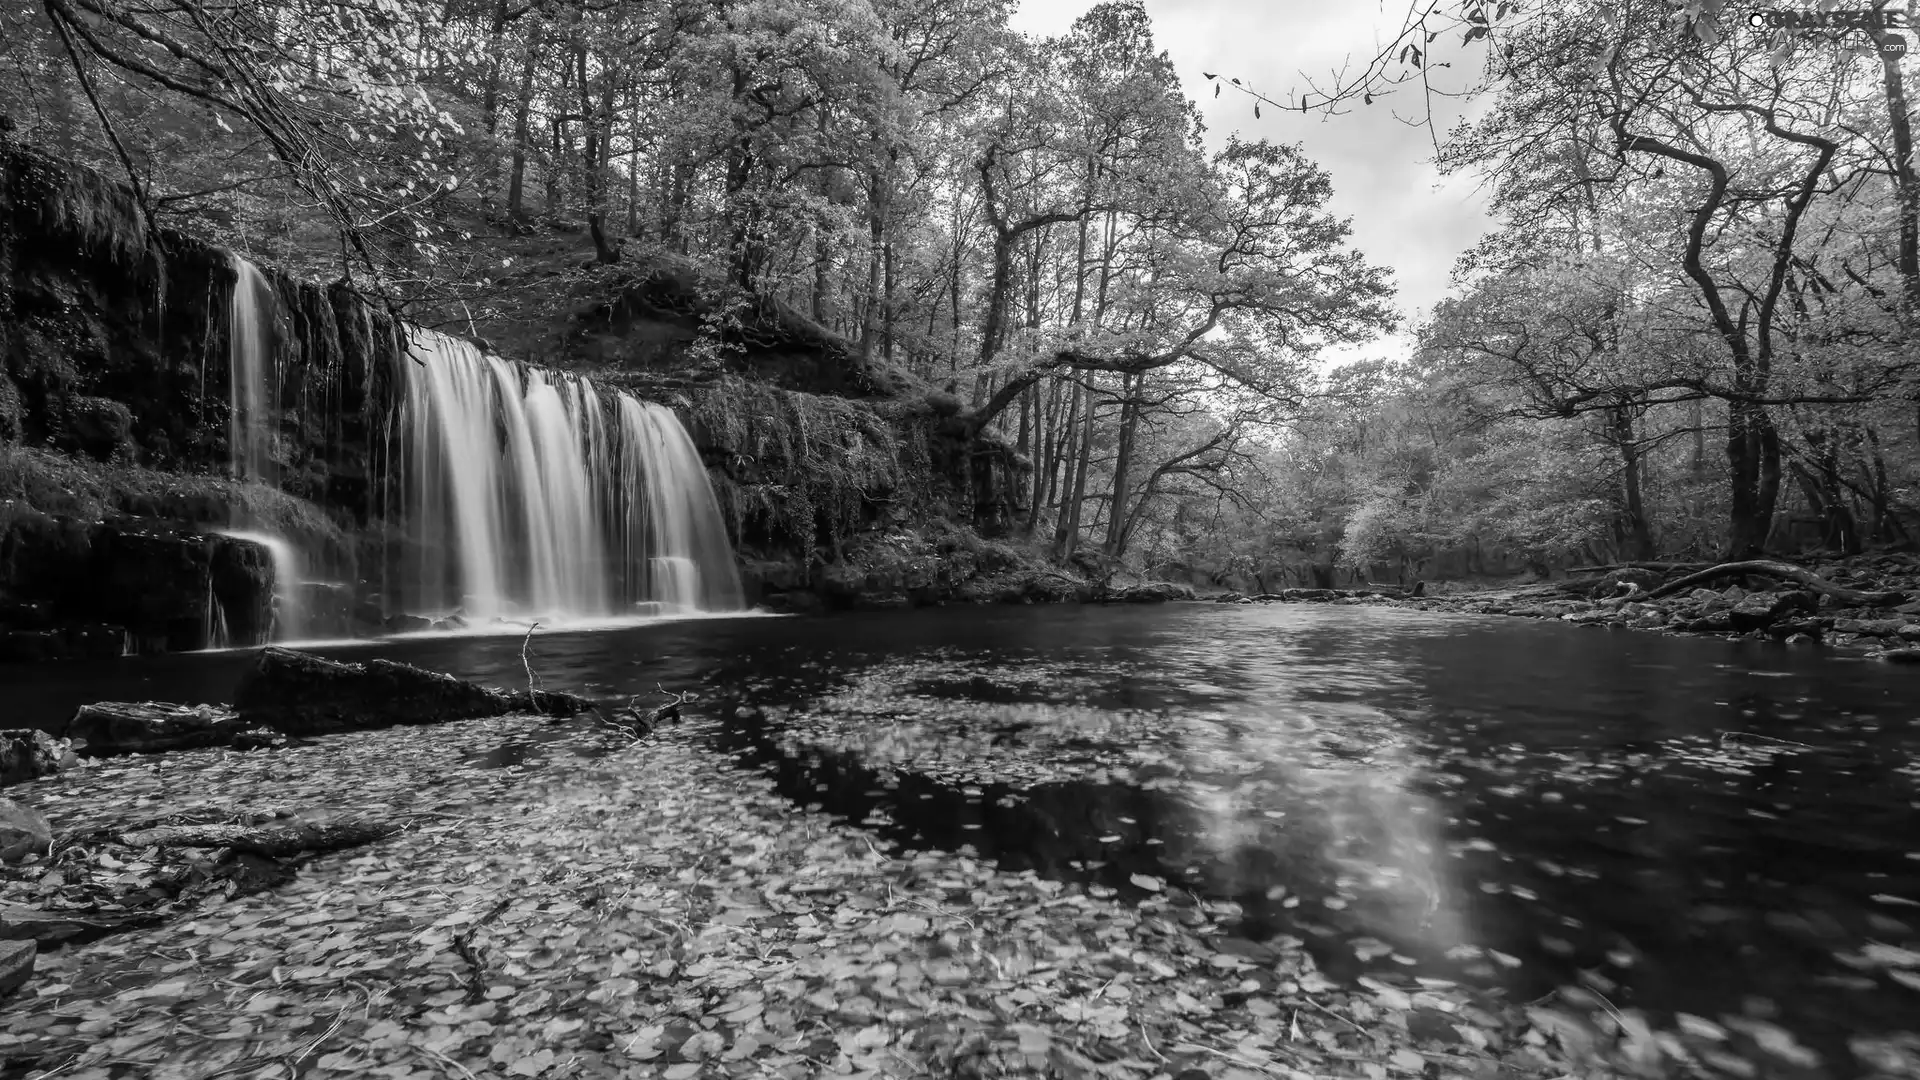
x=301 y=694
x=274 y=840
x=1767 y=568
x=19 y=922
x=630 y=721
x=1662 y=567
x=142 y=727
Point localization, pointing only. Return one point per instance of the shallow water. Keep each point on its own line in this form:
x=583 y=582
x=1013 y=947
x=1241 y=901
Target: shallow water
x=1680 y=825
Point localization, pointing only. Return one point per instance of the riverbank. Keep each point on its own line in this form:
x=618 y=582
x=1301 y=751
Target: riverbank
x=573 y=903
x=1754 y=606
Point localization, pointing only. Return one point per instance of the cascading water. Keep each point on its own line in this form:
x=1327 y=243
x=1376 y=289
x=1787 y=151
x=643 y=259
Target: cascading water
x=253 y=386
x=528 y=497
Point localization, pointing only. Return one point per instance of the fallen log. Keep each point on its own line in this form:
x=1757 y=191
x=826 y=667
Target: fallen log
x=1785 y=571
x=275 y=840
x=20 y=922
x=301 y=694
x=1661 y=567
x=145 y=727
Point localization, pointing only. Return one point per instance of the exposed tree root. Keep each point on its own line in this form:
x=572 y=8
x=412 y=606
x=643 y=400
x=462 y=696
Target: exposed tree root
x=1767 y=568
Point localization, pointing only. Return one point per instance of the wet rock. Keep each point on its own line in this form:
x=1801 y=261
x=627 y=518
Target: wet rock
x=1910 y=632
x=1624 y=582
x=29 y=755
x=1870 y=627
x=1757 y=611
x=23 y=832
x=408 y=624
x=1155 y=592
x=1901 y=656
x=148 y=727
x=260 y=738
x=16 y=965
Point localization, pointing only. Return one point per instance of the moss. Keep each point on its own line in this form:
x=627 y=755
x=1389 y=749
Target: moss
x=40 y=482
x=796 y=468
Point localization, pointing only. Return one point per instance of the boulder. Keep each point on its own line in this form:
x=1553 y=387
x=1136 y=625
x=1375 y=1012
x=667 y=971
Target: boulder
x=1153 y=592
x=29 y=755
x=297 y=693
x=146 y=727
x=1757 y=611
x=23 y=832
x=16 y=965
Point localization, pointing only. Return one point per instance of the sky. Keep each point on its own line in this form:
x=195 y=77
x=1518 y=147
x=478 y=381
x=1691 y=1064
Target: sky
x=1404 y=214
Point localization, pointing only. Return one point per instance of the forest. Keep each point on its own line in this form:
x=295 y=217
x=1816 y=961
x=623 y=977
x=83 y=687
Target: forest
x=1689 y=335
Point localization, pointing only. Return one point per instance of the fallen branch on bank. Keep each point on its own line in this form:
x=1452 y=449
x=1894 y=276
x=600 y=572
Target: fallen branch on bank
x=275 y=840
x=630 y=722
x=185 y=862
x=1785 y=571
x=1661 y=567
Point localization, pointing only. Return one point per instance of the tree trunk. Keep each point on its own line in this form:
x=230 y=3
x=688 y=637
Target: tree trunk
x=1639 y=529
x=1122 y=462
x=523 y=109
x=1753 y=464
x=1906 y=170
x=1077 y=498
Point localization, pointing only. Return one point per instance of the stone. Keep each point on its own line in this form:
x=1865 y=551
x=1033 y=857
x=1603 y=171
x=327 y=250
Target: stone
x=29 y=755
x=16 y=965
x=1910 y=632
x=1756 y=611
x=1901 y=656
x=23 y=832
x=260 y=738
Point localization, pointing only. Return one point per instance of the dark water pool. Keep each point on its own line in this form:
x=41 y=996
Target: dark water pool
x=1729 y=831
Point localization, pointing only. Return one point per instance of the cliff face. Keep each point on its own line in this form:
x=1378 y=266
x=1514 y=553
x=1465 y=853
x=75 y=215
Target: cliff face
x=114 y=414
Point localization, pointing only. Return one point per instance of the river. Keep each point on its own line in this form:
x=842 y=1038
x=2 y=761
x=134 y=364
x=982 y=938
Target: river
x=1729 y=831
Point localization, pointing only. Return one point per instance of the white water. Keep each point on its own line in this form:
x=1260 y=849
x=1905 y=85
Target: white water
x=528 y=498
x=250 y=358
x=254 y=390
x=289 y=619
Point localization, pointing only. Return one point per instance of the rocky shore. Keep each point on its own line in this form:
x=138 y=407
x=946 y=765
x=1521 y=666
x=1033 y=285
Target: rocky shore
x=1821 y=607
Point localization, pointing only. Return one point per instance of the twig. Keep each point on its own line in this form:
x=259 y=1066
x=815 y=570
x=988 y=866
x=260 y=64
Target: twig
x=1335 y=1015
x=1149 y=1041
x=464 y=1071
x=463 y=944
x=533 y=695
x=1741 y=736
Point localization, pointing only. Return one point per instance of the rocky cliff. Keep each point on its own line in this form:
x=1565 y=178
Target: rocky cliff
x=840 y=482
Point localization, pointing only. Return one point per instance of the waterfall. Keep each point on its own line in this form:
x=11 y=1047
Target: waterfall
x=253 y=382
x=250 y=355
x=530 y=496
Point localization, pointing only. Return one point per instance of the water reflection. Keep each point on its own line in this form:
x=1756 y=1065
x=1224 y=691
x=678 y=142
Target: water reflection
x=1531 y=805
